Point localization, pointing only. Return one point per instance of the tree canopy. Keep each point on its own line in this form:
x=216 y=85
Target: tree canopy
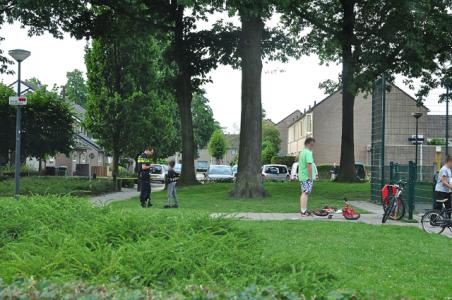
x=47 y=127
x=270 y=141
x=75 y=88
x=217 y=145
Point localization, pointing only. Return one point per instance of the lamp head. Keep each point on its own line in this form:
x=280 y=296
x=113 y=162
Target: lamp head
x=417 y=115
x=19 y=54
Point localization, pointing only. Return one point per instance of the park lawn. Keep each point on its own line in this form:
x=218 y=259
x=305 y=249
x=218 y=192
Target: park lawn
x=64 y=240
x=387 y=261
x=283 y=197
x=53 y=185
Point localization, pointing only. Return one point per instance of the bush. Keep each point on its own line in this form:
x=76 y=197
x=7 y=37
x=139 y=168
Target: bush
x=61 y=240
x=128 y=182
x=283 y=160
x=51 y=185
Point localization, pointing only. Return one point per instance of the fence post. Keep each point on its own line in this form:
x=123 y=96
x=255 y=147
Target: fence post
x=391 y=172
x=412 y=178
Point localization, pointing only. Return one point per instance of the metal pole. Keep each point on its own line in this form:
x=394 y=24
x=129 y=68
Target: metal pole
x=18 y=133
x=417 y=138
x=383 y=118
x=447 y=121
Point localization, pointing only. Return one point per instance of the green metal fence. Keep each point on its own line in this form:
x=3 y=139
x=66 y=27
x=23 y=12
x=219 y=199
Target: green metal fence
x=379 y=171
x=420 y=184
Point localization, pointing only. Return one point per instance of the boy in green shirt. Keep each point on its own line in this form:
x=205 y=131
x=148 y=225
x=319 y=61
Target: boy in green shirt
x=306 y=174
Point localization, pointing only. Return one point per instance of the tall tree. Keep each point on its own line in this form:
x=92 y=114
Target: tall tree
x=126 y=107
x=204 y=124
x=270 y=141
x=75 y=89
x=217 y=145
x=47 y=126
x=369 y=38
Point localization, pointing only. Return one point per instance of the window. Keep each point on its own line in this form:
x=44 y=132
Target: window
x=309 y=123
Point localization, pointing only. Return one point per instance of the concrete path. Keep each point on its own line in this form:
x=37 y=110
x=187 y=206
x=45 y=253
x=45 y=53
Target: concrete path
x=124 y=194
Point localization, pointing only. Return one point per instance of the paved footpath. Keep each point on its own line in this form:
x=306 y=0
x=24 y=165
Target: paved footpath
x=124 y=194
x=373 y=217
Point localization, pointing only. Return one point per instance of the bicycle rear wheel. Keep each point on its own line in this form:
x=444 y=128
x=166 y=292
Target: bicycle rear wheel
x=432 y=221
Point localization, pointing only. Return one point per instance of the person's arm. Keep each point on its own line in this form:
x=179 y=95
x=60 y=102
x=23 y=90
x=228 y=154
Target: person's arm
x=445 y=182
x=309 y=166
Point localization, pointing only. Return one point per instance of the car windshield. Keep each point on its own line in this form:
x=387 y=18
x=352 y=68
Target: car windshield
x=202 y=165
x=275 y=170
x=156 y=169
x=220 y=170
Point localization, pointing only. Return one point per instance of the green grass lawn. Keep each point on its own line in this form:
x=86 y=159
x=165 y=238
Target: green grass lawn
x=388 y=261
x=52 y=185
x=65 y=240
x=283 y=197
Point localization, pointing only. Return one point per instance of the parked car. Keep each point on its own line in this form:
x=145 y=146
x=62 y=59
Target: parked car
x=294 y=171
x=219 y=173
x=202 y=166
x=158 y=173
x=275 y=172
x=235 y=169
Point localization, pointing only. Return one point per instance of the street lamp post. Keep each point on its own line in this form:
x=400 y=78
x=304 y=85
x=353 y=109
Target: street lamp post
x=417 y=115
x=19 y=55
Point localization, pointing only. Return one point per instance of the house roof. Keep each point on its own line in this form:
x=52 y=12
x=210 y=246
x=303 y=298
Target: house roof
x=83 y=143
x=25 y=87
x=290 y=116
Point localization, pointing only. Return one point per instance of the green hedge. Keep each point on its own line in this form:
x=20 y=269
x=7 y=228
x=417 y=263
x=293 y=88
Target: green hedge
x=53 y=185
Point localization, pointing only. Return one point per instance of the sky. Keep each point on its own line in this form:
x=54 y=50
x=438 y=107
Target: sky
x=285 y=86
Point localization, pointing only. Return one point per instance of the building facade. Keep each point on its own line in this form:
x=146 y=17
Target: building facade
x=232 y=144
x=323 y=122
x=283 y=128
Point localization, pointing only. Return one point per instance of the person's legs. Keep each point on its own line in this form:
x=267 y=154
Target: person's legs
x=145 y=193
x=176 y=201
x=170 y=194
x=306 y=188
x=303 y=202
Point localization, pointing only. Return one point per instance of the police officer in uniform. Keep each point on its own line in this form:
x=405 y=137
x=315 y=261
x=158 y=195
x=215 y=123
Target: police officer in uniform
x=144 y=167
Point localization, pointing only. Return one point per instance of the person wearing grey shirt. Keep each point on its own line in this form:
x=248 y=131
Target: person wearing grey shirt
x=443 y=187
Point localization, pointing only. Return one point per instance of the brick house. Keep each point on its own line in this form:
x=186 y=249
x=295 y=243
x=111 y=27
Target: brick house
x=323 y=121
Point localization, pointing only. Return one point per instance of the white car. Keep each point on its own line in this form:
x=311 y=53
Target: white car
x=275 y=173
x=219 y=173
x=158 y=173
x=294 y=172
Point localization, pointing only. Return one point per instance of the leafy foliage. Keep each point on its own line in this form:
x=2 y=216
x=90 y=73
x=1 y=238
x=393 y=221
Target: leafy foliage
x=283 y=160
x=47 y=124
x=204 y=124
x=270 y=141
x=217 y=144
x=127 y=107
x=76 y=89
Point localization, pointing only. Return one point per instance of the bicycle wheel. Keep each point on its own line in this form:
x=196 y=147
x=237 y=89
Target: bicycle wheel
x=398 y=211
x=320 y=212
x=433 y=221
x=388 y=208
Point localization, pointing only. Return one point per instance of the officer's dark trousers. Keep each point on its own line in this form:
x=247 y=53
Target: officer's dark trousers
x=145 y=192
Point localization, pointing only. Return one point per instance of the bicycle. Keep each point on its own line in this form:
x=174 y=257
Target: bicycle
x=347 y=211
x=437 y=220
x=393 y=205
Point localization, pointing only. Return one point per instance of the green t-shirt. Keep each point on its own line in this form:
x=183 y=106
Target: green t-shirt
x=305 y=159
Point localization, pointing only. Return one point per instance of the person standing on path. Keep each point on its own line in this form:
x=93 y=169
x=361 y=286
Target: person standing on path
x=443 y=187
x=171 y=179
x=306 y=175
x=144 y=167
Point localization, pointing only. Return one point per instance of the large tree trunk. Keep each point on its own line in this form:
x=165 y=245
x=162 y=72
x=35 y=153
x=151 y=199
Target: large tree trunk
x=184 y=99
x=249 y=179
x=347 y=164
x=115 y=168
